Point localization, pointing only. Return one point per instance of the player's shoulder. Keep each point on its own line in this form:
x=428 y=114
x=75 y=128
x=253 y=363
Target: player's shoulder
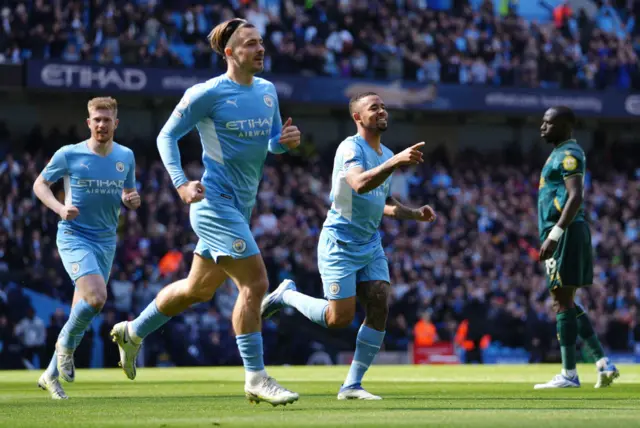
x=80 y=147
x=263 y=84
x=121 y=150
x=209 y=89
x=349 y=144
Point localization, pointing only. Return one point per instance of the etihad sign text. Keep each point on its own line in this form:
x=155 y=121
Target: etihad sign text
x=85 y=76
x=103 y=187
x=260 y=127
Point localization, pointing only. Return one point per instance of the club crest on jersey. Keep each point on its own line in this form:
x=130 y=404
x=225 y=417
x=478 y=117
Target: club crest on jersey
x=119 y=167
x=334 y=288
x=75 y=268
x=348 y=155
x=239 y=245
x=268 y=100
x=569 y=163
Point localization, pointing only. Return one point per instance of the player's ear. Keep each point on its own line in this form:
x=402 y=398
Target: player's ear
x=89 y=122
x=227 y=51
x=117 y=121
x=356 y=117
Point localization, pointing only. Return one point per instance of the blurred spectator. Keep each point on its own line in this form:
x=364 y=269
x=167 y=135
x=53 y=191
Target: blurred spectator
x=32 y=335
x=374 y=39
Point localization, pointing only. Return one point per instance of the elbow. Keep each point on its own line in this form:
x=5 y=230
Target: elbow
x=360 y=189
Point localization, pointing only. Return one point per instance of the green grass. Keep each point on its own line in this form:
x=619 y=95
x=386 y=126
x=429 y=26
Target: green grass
x=451 y=396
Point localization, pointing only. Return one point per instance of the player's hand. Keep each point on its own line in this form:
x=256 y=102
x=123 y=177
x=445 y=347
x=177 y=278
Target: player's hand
x=410 y=156
x=69 y=212
x=191 y=192
x=548 y=248
x=290 y=135
x=425 y=213
x=132 y=200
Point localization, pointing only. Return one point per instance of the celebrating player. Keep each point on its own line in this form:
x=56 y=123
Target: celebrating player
x=99 y=175
x=238 y=118
x=566 y=248
x=350 y=255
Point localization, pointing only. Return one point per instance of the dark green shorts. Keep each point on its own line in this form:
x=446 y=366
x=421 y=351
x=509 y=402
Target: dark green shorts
x=572 y=263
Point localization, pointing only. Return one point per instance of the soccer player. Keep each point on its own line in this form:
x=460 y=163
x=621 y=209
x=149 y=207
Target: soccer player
x=238 y=118
x=351 y=260
x=566 y=247
x=99 y=175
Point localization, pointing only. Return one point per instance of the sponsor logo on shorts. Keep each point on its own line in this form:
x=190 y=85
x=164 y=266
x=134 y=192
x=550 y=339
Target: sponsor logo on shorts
x=334 y=288
x=75 y=268
x=239 y=245
x=119 y=167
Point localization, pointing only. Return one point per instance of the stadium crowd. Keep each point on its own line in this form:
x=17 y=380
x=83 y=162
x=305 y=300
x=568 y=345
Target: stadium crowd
x=411 y=40
x=477 y=263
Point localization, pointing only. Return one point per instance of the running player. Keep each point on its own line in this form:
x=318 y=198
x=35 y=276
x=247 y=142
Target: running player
x=351 y=260
x=238 y=119
x=566 y=247
x=99 y=175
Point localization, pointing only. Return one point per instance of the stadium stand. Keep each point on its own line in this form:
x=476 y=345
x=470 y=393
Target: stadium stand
x=531 y=44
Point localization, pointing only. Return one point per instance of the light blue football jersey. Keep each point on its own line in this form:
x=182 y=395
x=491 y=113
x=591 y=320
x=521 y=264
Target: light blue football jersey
x=237 y=124
x=355 y=218
x=93 y=184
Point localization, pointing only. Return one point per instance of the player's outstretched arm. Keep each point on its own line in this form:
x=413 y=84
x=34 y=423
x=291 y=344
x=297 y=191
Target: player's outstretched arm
x=395 y=209
x=365 y=181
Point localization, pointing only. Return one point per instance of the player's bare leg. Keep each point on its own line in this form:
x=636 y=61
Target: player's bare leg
x=205 y=277
x=373 y=296
x=563 y=302
x=250 y=276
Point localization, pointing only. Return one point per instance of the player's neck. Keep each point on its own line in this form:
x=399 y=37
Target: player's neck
x=240 y=77
x=373 y=139
x=99 y=148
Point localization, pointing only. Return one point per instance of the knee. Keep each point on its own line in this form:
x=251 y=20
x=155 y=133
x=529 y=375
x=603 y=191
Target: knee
x=339 y=318
x=562 y=302
x=254 y=292
x=96 y=299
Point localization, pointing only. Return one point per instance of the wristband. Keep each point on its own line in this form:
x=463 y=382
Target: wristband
x=555 y=233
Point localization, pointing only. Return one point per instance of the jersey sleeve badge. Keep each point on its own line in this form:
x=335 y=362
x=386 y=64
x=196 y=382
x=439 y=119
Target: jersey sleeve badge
x=569 y=163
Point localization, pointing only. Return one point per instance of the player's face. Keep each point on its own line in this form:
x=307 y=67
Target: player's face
x=552 y=129
x=248 y=51
x=373 y=114
x=103 y=124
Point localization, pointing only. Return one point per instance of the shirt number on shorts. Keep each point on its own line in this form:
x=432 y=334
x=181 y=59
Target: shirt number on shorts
x=552 y=266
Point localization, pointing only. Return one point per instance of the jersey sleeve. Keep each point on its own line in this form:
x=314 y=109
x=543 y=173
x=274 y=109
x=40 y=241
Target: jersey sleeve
x=350 y=156
x=130 y=181
x=572 y=162
x=276 y=129
x=195 y=105
x=57 y=167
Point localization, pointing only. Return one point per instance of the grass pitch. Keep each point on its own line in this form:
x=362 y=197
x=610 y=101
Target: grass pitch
x=444 y=396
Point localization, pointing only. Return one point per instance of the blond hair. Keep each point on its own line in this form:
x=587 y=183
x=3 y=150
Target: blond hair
x=103 y=103
x=219 y=37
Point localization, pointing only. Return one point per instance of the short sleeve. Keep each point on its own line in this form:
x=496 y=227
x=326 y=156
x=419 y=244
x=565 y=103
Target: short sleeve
x=57 y=167
x=572 y=162
x=350 y=156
